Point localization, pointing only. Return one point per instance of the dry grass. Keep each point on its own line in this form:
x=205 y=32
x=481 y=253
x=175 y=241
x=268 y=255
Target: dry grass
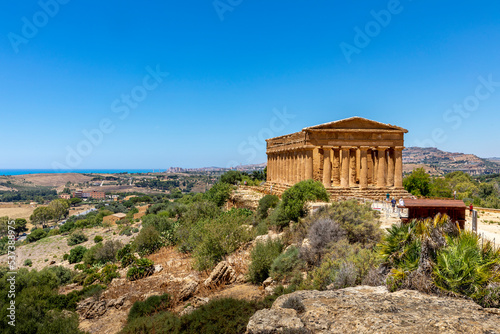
x=14 y=211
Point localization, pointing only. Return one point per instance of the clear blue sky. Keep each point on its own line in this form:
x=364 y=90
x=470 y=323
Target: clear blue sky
x=66 y=71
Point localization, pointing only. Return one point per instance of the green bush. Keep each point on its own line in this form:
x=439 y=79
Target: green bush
x=263 y=256
x=293 y=200
x=163 y=224
x=77 y=238
x=359 y=221
x=28 y=262
x=36 y=235
x=127 y=230
x=76 y=254
x=265 y=203
x=65 y=256
x=107 y=273
x=216 y=238
x=219 y=193
x=140 y=269
x=343 y=265
x=286 y=264
x=148 y=241
x=153 y=304
x=98 y=239
x=108 y=251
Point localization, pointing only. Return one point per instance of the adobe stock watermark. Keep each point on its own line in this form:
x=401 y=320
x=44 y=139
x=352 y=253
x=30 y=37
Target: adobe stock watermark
x=460 y=111
x=122 y=107
x=363 y=37
x=249 y=148
x=11 y=274
x=31 y=26
x=223 y=6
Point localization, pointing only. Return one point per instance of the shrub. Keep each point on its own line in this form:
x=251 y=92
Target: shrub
x=148 y=241
x=216 y=238
x=294 y=302
x=336 y=266
x=107 y=253
x=285 y=264
x=359 y=221
x=28 y=262
x=148 y=307
x=140 y=269
x=36 y=235
x=135 y=230
x=62 y=274
x=164 y=225
x=90 y=256
x=219 y=193
x=65 y=256
x=76 y=254
x=322 y=233
x=262 y=257
x=77 y=238
x=293 y=200
x=126 y=231
x=98 y=239
x=265 y=203
x=108 y=273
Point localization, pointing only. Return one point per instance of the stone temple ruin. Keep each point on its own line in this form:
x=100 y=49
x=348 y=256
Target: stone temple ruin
x=353 y=158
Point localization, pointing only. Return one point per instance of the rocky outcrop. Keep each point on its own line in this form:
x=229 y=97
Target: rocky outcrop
x=222 y=273
x=366 y=309
x=91 y=308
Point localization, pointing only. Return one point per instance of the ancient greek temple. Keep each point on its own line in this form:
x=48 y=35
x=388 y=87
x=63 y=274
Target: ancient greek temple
x=351 y=157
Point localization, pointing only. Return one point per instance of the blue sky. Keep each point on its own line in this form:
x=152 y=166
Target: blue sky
x=238 y=71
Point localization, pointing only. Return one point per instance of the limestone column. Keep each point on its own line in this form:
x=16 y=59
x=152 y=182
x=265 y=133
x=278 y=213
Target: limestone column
x=269 y=167
x=390 y=168
x=375 y=166
x=398 y=167
x=327 y=167
x=369 y=165
x=280 y=167
x=303 y=162
x=344 y=176
x=336 y=166
x=363 y=178
x=381 y=167
x=288 y=169
x=358 y=165
x=298 y=166
x=352 y=168
x=309 y=165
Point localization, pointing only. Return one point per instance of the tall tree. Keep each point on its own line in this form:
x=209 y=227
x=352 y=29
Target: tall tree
x=41 y=215
x=59 y=208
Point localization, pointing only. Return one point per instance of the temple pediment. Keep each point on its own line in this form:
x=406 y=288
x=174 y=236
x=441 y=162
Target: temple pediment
x=356 y=123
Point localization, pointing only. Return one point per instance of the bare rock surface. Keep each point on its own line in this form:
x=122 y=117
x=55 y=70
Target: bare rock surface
x=365 y=309
x=222 y=273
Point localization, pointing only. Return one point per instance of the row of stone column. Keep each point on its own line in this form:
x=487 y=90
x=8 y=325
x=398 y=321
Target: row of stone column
x=351 y=166
x=290 y=167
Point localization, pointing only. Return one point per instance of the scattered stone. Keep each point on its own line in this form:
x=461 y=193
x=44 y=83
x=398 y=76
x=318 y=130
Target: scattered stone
x=158 y=268
x=222 y=273
x=91 y=309
x=187 y=289
x=274 y=321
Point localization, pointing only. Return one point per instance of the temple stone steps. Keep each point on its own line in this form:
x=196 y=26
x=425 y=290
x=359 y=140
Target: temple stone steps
x=337 y=193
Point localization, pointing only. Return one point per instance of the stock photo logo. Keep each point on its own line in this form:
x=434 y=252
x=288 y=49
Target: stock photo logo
x=460 y=111
x=249 y=148
x=223 y=6
x=122 y=107
x=363 y=37
x=31 y=26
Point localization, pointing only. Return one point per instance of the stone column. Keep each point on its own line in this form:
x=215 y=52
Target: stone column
x=352 y=168
x=390 y=168
x=358 y=165
x=298 y=166
x=369 y=164
x=381 y=167
x=309 y=165
x=375 y=165
x=281 y=170
x=288 y=169
x=303 y=162
x=327 y=167
x=363 y=178
x=344 y=176
x=336 y=166
x=398 y=167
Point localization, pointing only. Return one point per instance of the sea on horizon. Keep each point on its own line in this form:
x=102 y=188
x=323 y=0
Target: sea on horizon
x=4 y=172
